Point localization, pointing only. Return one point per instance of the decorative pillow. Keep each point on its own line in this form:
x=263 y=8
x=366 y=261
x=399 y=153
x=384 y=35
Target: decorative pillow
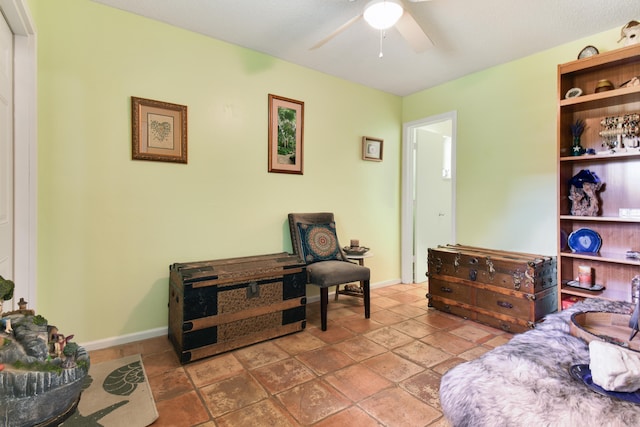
x=319 y=242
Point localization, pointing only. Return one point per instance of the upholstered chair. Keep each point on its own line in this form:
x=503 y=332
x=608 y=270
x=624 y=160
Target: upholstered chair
x=314 y=240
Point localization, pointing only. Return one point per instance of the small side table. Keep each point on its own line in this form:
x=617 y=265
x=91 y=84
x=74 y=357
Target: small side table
x=360 y=292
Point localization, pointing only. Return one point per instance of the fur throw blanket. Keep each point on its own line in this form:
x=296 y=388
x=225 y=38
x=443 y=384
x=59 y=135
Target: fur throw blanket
x=526 y=382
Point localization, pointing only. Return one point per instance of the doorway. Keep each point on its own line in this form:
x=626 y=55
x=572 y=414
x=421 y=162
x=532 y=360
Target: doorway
x=22 y=184
x=428 y=191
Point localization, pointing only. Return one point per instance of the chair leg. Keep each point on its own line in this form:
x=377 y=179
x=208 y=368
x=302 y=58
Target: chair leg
x=367 y=299
x=337 y=292
x=324 y=302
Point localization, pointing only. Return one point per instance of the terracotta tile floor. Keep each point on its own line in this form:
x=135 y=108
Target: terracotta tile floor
x=382 y=371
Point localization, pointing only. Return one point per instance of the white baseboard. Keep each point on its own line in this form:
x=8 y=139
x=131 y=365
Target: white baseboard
x=125 y=339
x=158 y=332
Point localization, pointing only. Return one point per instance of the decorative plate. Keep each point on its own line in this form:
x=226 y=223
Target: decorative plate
x=576 y=284
x=360 y=250
x=585 y=240
x=573 y=92
x=587 y=52
x=583 y=373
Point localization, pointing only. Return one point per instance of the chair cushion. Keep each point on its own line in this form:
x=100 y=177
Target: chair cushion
x=319 y=242
x=330 y=273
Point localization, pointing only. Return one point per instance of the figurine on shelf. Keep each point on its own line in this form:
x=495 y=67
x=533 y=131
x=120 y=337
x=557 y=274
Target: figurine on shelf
x=576 y=131
x=583 y=193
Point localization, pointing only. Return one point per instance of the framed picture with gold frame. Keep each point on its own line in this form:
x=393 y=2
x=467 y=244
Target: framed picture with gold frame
x=286 y=132
x=158 y=131
x=372 y=149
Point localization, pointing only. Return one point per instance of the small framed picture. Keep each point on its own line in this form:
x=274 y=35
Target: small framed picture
x=372 y=149
x=158 y=131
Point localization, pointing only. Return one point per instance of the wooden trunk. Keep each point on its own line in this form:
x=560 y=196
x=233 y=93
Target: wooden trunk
x=507 y=290
x=221 y=305
x=510 y=270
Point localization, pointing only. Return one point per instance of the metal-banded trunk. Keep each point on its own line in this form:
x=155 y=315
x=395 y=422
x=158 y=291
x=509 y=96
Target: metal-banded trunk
x=508 y=290
x=220 y=305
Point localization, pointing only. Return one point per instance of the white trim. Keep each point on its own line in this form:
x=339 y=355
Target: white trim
x=158 y=332
x=408 y=187
x=125 y=339
x=406 y=215
x=25 y=145
x=18 y=17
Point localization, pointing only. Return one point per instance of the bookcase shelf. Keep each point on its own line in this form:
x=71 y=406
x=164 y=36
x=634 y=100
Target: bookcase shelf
x=618 y=169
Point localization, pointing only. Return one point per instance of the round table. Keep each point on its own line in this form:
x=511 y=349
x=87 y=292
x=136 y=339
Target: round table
x=359 y=293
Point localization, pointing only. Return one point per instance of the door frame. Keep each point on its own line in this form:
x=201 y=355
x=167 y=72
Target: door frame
x=408 y=188
x=17 y=15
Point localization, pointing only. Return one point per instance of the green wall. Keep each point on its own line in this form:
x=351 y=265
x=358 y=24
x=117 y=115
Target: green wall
x=506 y=147
x=109 y=227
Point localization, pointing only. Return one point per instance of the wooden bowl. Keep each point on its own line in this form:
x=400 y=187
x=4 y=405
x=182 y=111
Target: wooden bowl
x=608 y=327
x=603 y=85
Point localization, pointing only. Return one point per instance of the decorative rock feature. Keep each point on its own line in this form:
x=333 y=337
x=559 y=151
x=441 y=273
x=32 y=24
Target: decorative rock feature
x=31 y=340
x=36 y=388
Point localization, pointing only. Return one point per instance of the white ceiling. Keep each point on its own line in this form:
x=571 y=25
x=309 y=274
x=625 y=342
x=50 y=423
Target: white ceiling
x=469 y=35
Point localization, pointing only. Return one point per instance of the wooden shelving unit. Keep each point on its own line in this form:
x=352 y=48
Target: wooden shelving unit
x=619 y=171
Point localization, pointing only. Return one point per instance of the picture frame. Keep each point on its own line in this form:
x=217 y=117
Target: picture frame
x=286 y=135
x=158 y=131
x=372 y=149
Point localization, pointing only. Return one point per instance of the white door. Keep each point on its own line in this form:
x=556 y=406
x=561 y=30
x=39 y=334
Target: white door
x=428 y=191
x=433 y=219
x=6 y=154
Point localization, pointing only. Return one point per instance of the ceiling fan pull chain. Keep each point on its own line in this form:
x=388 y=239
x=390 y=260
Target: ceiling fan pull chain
x=382 y=35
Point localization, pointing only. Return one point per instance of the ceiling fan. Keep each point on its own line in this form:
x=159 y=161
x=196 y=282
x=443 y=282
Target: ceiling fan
x=383 y=14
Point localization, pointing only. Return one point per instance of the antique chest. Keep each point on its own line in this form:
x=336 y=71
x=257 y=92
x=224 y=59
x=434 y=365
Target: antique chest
x=220 y=305
x=507 y=290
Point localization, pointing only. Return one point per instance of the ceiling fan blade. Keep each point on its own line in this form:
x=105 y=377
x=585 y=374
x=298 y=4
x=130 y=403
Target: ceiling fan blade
x=340 y=29
x=413 y=33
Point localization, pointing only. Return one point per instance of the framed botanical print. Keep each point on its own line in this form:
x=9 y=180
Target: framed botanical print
x=286 y=131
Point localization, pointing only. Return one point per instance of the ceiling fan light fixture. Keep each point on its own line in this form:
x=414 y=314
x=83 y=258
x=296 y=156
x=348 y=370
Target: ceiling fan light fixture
x=383 y=14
